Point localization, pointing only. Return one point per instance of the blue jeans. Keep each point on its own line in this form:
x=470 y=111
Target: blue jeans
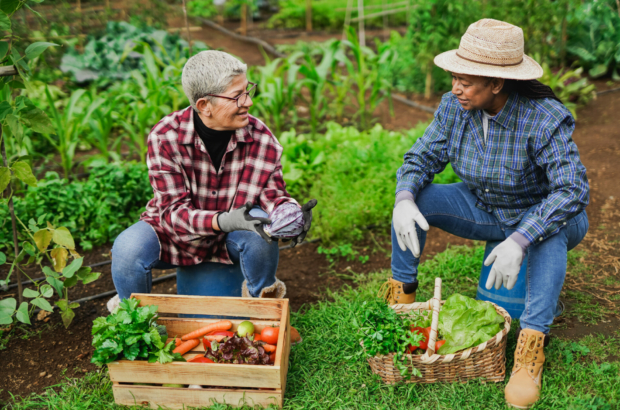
x=452 y=208
x=136 y=252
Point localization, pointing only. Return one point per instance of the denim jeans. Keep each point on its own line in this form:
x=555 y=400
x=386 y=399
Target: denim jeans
x=136 y=252
x=452 y=208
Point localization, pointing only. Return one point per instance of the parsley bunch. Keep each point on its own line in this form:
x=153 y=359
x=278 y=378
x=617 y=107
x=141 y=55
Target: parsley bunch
x=131 y=333
x=384 y=331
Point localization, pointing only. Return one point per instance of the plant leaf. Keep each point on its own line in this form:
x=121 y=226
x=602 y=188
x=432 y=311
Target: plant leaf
x=42 y=238
x=4 y=45
x=5 y=109
x=43 y=304
x=59 y=256
x=57 y=284
x=67 y=317
x=63 y=237
x=37 y=120
x=30 y=293
x=35 y=49
x=9 y=6
x=7 y=308
x=47 y=291
x=22 y=171
x=5 y=178
x=86 y=276
x=71 y=282
x=22 y=313
x=2 y=258
x=73 y=267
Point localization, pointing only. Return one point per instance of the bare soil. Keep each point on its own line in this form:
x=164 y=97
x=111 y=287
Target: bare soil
x=43 y=354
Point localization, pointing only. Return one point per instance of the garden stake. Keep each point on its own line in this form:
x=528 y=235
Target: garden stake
x=12 y=211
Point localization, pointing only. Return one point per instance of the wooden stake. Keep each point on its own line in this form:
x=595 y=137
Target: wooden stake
x=360 y=15
x=244 y=19
x=308 y=16
x=18 y=274
x=189 y=36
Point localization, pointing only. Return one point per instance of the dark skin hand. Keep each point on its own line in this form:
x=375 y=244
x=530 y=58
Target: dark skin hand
x=479 y=93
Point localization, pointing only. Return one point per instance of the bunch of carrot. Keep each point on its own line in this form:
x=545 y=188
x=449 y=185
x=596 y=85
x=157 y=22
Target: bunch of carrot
x=192 y=339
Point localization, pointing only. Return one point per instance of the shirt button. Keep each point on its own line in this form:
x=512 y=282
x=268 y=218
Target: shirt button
x=540 y=240
x=213 y=192
x=564 y=223
x=486 y=190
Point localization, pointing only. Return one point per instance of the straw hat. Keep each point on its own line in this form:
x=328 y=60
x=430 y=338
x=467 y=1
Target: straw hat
x=491 y=48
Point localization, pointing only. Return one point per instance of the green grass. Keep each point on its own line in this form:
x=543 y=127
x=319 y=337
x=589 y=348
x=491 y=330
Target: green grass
x=328 y=370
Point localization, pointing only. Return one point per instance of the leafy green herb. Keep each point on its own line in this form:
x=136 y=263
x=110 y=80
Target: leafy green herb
x=384 y=331
x=131 y=333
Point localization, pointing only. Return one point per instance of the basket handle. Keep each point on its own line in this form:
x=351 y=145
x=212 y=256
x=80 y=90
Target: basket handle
x=435 y=303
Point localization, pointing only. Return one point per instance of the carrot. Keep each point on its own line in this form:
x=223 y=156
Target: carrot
x=269 y=348
x=186 y=346
x=177 y=341
x=217 y=338
x=221 y=325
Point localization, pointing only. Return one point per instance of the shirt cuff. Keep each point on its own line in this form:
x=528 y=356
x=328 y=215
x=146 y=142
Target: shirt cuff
x=521 y=240
x=402 y=196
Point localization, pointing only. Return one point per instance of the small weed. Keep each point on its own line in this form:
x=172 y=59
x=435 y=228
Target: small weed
x=345 y=250
x=584 y=310
x=574 y=351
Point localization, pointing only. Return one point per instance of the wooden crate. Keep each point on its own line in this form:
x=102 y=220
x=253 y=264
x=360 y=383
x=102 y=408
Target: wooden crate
x=233 y=384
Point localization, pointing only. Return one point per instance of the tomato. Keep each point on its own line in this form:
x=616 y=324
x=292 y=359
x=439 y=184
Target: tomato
x=272 y=357
x=439 y=344
x=424 y=331
x=206 y=343
x=257 y=337
x=222 y=333
x=270 y=335
x=201 y=359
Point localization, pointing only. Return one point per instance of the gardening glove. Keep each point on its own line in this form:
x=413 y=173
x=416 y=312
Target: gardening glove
x=406 y=215
x=307 y=211
x=506 y=259
x=241 y=220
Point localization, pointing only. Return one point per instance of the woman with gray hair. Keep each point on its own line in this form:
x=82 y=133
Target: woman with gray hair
x=216 y=173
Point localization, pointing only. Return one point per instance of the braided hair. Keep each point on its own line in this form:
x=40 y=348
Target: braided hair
x=532 y=89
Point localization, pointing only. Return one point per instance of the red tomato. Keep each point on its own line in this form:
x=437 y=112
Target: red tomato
x=206 y=343
x=269 y=335
x=272 y=357
x=257 y=337
x=424 y=331
x=201 y=359
x=439 y=344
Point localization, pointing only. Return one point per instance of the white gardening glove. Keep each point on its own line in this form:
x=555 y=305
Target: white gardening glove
x=405 y=216
x=506 y=259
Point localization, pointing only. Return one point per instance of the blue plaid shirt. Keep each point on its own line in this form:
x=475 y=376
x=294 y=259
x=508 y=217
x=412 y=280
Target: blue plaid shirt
x=529 y=159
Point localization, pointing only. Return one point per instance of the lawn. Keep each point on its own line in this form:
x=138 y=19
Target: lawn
x=329 y=371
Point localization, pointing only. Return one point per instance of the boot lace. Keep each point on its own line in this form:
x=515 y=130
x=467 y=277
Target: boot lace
x=386 y=291
x=525 y=355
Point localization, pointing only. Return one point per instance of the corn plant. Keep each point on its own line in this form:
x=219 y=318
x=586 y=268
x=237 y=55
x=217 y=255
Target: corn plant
x=277 y=91
x=102 y=122
x=364 y=70
x=316 y=81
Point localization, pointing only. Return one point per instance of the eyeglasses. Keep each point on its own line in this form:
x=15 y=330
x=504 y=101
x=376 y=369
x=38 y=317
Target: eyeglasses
x=242 y=98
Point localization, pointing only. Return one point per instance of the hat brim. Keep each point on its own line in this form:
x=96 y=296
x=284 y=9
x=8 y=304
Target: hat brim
x=527 y=70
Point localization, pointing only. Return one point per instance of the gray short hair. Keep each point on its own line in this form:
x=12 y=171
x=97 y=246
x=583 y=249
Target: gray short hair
x=209 y=72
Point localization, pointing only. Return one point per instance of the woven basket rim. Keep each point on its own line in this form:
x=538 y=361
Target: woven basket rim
x=474 y=349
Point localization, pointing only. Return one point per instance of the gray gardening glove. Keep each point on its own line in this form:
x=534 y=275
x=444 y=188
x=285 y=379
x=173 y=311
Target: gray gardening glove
x=241 y=220
x=307 y=211
x=406 y=215
x=506 y=258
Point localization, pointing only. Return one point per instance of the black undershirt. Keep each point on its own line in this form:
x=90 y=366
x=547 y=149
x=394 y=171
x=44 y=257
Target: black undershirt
x=215 y=141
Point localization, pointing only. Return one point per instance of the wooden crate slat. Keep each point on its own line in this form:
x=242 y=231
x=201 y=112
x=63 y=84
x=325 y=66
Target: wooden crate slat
x=284 y=343
x=179 y=398
x=234 y=375
x=221 y=306
x=180 y=326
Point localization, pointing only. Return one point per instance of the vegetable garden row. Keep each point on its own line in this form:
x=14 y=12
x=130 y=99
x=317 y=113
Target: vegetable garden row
x=75 y=116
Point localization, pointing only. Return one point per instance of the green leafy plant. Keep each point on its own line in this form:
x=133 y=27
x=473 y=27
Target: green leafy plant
x=383 y=331
x=573 y=89
x=344 y=250
x=131 y=332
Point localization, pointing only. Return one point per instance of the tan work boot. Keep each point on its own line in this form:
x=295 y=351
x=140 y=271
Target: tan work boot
x=394 y=293
x=523 y=389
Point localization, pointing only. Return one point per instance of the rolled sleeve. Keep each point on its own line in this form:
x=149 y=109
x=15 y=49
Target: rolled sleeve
x=557 y=154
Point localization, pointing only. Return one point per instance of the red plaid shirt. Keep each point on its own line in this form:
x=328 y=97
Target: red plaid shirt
x=189 y=191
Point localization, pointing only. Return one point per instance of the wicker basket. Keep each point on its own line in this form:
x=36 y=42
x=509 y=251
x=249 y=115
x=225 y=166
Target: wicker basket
x=486 y=361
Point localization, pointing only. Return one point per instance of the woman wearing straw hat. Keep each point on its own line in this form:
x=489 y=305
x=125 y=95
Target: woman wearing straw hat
x=508 y=137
